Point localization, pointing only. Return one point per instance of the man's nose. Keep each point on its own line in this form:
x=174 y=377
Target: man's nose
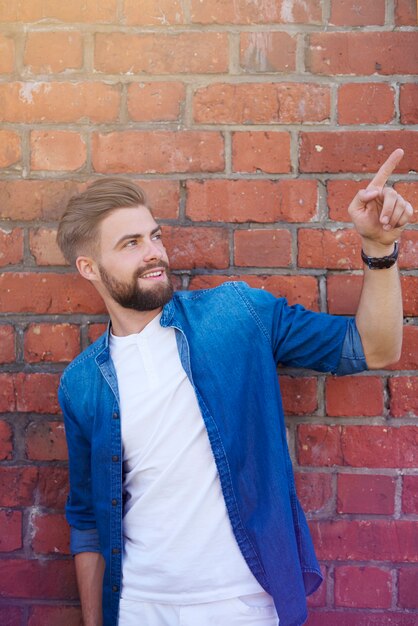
x=153 y=251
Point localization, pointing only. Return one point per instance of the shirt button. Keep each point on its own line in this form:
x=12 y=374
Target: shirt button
x=115 y=550
x=114 y=502
x=115 y=458
x=115 y=588
x=115 y=415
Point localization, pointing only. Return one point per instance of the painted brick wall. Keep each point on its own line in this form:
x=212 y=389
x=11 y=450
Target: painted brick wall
x=251 y=125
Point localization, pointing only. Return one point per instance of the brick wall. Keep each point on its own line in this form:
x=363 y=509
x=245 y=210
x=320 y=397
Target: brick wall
x=251 y=125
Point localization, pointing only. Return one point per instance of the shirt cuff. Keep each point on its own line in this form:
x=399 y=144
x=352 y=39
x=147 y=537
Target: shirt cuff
x=84 y=540
x=352 y=355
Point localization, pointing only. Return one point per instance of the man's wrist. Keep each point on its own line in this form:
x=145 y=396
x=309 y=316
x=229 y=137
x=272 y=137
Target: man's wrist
x=375 y=248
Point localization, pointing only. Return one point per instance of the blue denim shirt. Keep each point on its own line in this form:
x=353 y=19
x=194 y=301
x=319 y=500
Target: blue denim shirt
x=230 y=341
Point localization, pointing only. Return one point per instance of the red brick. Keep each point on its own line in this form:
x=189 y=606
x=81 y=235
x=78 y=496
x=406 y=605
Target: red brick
x=296 y=289
x=178 y=53
x=408 y=103
x=251 y=200
x=267 y=52
x=267 y=103
x=314 y=490
x=409 y=294
x=365 y=493
x=355 y=151
x=363 y=540
x=53 y=52
x=340 y=193
x=409 y=190
x=299 y=395
x=363 y=587
x=59 y=102
x=11 y=246
x=59 y=343
x=7 y=395
x=365 y=103
x=409 y=357
x=10 y=152
x=7 y=54
x=59 y=150
x=319 y=598
x=409 y=250
x=154 y=102
x=352 y=395
x=336 y=249
x=95 y=331
x=45 y=441
x=410 y=494
x=35 y=199
x=188 y=248
x=10 y=531
x=159 y=151
x=7 y=344
x=362 y=53
x=380 y=446
x=359 y=13
x=357 y=618
x=6 y=436
x=17 y=485
x=46 y=579
x=151 y=13
x=261 y=151
x=48 y=293
x=75 y=11
x=44 y=248
x=163 y=197
x=263 y=248
x=408 y=585
x=36 y=392
x=44 y=615
x=244 y=12
x=319 y=445
x=404 y=396
x=50 y=534
x=53 y=487
x=406 y=13
x=11 y=615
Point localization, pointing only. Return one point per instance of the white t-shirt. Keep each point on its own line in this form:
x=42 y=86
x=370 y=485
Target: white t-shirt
x=178 y=542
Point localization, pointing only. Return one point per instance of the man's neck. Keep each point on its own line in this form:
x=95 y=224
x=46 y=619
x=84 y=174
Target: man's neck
x=129 y=322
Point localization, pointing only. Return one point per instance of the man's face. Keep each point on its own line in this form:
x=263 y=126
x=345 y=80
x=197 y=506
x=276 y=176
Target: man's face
x=133 y=264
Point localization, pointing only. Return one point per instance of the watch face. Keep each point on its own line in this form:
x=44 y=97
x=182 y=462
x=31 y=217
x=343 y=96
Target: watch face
x=380 y=263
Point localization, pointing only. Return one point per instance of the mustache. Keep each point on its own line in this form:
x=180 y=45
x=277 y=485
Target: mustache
x=152 y=266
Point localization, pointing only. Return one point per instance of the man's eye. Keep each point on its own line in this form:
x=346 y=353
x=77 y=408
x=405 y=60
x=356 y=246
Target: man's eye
x=130 y=243
x=157 y=236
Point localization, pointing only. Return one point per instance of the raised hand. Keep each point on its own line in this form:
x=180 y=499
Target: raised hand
x=379 y=213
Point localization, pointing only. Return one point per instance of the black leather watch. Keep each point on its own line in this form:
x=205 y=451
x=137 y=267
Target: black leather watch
x=381 y=263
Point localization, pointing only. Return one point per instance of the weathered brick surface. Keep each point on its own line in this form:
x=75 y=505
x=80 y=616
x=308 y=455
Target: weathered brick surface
x=250 y=126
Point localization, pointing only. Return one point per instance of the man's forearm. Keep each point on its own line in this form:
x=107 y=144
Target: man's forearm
x=90 y=568
x=379 y=316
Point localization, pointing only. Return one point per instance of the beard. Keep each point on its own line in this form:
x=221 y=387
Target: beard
x=131 y=296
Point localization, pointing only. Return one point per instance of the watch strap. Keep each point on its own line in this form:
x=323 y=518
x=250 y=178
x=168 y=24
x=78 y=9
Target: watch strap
x=383 y=262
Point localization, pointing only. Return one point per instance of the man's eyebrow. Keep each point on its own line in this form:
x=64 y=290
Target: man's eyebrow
x=136 y=236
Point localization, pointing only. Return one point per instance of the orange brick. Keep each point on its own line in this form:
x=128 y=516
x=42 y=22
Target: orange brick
x=53 y=52
x=409 y=191
x=269 y=103
x=362 y=53
x=406 y=13
x=10 y=152
x=339 y=196
x=35 y=199
x=74 y=11
x=95 y=331
x=267 y=52
x=336 y=249
x=59 y=102
x=44 y=248
x=59 y=343
x=365 y=103
x=355 y=151
x=159 y=151
x=179 y=53
x=408 y=250
x=251 y=200
x=359 y=13
x=163 y=197
x=409 y=356
x=7 y=344
x=59 y=150
x=189 y=248
x=261 y=151
x=263 y=248
x=153 y=102
x=245 y=12
x=408 y=103
x=151 y=13
x=11 y=246
x=7 y=54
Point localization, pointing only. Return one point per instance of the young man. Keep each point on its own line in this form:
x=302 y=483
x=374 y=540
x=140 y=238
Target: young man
x=182 y=501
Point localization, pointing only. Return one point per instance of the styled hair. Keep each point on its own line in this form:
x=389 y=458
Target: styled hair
x=78 y=226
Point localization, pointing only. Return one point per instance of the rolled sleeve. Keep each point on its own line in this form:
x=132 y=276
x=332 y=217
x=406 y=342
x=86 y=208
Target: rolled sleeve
x=84 y=540
x=352 y=355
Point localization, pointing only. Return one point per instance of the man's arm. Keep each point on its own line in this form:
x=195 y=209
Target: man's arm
x=89 y=567
x=379 y=215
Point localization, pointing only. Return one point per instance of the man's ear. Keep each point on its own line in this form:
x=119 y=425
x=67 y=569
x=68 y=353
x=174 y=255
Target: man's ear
x=87 y=268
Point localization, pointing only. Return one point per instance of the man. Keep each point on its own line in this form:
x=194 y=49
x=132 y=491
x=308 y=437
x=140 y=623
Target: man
x=182 y=501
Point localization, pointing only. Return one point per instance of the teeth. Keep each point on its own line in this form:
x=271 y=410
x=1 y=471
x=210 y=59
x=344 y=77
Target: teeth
x=152 y=274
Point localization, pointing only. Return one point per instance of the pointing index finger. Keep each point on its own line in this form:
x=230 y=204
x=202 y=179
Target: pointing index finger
x=386 y=169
